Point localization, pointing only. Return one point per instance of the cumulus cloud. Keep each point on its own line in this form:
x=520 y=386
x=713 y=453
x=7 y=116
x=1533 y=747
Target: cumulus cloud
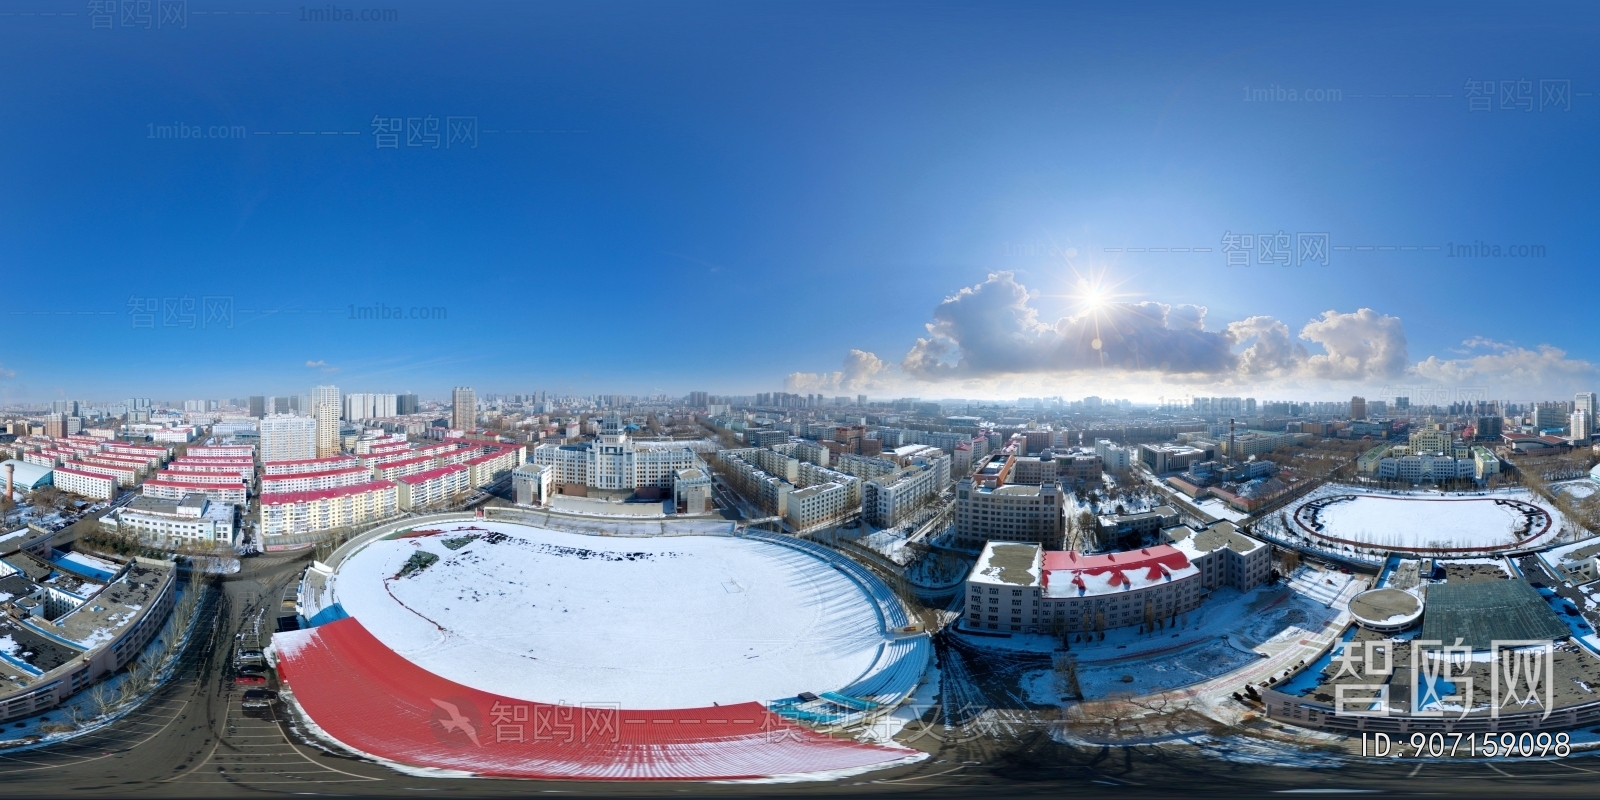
x=989 y=339
x=1544 y=367
x=862 y=371
x=1359 y=346
x=990 y=329
x=320 y=364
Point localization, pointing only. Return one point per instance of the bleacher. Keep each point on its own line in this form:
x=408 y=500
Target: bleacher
x=890 y=609
x=894 y=673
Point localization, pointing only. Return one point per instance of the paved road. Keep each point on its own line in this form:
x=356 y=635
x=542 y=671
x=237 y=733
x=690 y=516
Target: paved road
x=192 y=739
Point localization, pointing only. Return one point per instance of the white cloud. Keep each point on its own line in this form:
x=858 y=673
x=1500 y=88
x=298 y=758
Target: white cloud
x=1360 y=346
x=988 y=340
x=862 y=371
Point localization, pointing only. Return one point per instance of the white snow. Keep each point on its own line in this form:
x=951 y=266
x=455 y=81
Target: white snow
x=1425 y=519
x=1220 y=510
x=9 y=646
x=647 y=623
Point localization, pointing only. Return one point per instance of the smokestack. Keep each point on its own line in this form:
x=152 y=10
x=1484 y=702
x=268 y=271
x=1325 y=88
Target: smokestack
x=11 y=471
x=1232 y=455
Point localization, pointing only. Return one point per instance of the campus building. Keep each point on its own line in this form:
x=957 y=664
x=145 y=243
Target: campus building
x=194 y=520
x=1009 y=513
x=1023 y=588
x=614 y=462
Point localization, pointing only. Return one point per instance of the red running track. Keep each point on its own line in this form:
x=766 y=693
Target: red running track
x=376 y=702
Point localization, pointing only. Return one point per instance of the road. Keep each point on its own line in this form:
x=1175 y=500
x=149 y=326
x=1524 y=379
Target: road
x=192 y=739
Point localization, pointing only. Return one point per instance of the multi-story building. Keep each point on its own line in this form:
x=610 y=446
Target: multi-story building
x=307 y=512
x=431 y=487
x=613 y=461
x=887 y=501
x=126 y=474
x=286 y=437
x=1005 y=513
x=463 y=408
x=1585 y=402
x=172 y=488
x=301 y=465
x=497 y=462
x=368 y=405
x=1578 y=428
x=1358 y=408
x=819 y=504
x=1164 y=458
x=1023 y=588
x=194 y=520
x=315 y=481
x=92 y=485
x=1130 y=528
x=326 y=408
x=1430 y=441
x=691 y=491
x=533 y=484
x=1224 y=556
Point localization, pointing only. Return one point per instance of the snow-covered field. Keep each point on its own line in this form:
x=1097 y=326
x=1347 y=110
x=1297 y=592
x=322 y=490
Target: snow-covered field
x=646 y=623
x=1426 y=520
x=1577 y=489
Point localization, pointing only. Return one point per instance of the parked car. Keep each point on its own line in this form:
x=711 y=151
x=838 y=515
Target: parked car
x=251 y=669
x=258 y=698
x=249 y=655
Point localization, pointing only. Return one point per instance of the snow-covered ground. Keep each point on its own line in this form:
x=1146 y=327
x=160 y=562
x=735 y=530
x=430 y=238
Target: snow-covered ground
x=1578 y=489
x=647 y=623
x=1425 y=519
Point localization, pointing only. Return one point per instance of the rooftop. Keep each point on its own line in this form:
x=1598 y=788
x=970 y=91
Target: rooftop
x=1011 y=563
x=1482 y=612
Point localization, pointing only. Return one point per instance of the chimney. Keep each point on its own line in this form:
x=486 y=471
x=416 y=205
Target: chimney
x=11 y=471
x=1232 y=459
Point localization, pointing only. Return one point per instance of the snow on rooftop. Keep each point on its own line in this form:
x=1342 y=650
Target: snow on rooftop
x=648 y=623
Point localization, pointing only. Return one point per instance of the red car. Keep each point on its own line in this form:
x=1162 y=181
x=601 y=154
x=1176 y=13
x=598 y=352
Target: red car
x=249 y=680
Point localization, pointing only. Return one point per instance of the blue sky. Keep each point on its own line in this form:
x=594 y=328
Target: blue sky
x=741 y=194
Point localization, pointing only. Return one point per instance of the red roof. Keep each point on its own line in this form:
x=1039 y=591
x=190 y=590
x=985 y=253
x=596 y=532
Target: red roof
x=310 y=460
x=97 y=476
x=187 y=485
x=391 y=464
x=295 y=476
x=289 y=498
x=1150 y=559
x=430 y=474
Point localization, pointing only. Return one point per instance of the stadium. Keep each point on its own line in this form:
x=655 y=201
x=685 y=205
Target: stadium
x=1370 y=523
x=498 y=647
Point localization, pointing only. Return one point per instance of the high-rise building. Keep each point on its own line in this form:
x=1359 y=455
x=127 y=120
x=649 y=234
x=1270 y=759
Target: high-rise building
x=1358 y=408
x=55 y=424
x=405 y=404
x=258 y=406
x=698 y=399
x=463 y=408
x=1585 y=402
x=68 y=407
x=1580 y=427
x=285 y=437
x=367 y=405
x=325 y=407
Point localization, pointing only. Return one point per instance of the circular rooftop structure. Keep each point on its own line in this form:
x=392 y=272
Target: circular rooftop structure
x=507 y=649
x=1386 y=610
x=658 y=622
x=1425 y=523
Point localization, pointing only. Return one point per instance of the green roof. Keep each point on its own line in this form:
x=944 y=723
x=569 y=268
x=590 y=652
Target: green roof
x=1487 y=611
